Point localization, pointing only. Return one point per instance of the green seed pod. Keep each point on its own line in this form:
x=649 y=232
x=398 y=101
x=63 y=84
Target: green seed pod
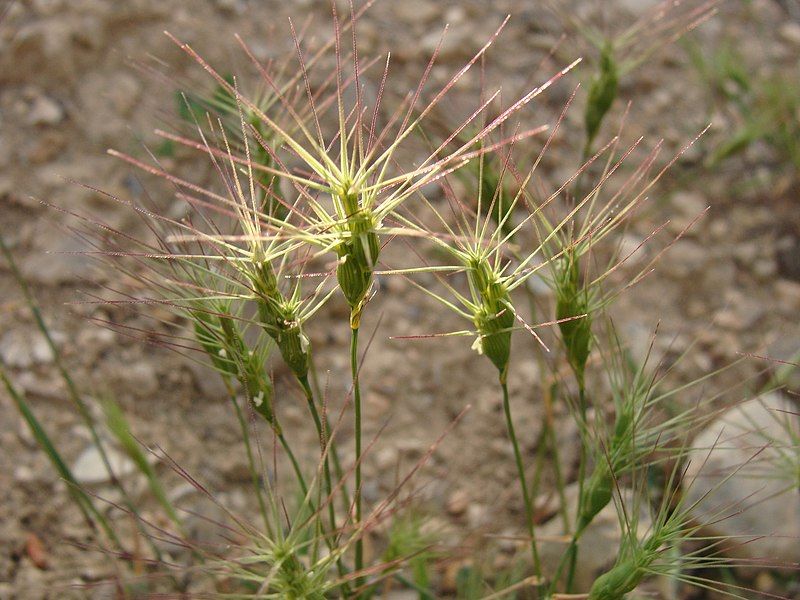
x=264 y=280
x=496 y=200
x=281 y=324
x=358 y=254
x=293 y=345
x=623 y=427
x=572 y=309
x=211 y=345
x=294 y=580
x=279 y=319
x=602 y=94
x=495 y=329
x=596 y=494
x=484 y=280
x=494 y=320
x=259 y=389
x=260 y=394
x=267 y=315
x=614 y=584
x=249 y=372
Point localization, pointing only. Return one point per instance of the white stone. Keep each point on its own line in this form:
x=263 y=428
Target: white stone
x=597 y=548
x=684 y=258
x=89 y=467
x=632 y=249
x=45 y=111
x=790 y=32
x=23 y=349
x=401 y=595
x=639 y=8
x=746 y=462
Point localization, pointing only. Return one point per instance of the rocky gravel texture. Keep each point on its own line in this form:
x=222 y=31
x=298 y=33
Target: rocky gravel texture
x=80 y=76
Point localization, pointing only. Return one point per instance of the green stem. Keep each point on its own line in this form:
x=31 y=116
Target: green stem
x=81 y=498
x=304 y=489
x=526 y=496
x=359 y=545
x=323 y=443
x=569 y=556
x=559 y=475
x=572 y=552
x=548 y=435
x=295 y=465
x=323 y=430
x=330 y=543
x=250 y=460
x=337 y=465
x=326 y=450
x=83 y=409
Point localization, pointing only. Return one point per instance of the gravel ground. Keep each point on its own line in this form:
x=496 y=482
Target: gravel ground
x=78 y=77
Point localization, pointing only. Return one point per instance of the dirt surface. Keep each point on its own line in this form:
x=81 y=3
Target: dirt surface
x=76 y=77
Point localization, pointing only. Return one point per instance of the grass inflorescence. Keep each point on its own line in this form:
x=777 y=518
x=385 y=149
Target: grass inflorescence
x=313 y=186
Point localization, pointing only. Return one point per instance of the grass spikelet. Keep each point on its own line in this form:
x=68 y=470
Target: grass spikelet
x=602 y=93
x=574 y=314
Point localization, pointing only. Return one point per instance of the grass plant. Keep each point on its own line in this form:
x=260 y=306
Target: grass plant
x=312 y=182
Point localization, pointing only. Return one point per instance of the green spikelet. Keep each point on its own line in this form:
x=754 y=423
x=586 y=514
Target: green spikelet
x=249 y=371
x=495 y=337
x=358 y=254
x=293 y=345
x=623 y=427
x=572 y=309
x=602 y=94
x=494 y=319
x=617 y=582
x=279 y=318
x=596 y=494
x=260 y=394
x=204 y=325
x=497 y=201
x=282 y=325
x=264 y=280
x=292 y=579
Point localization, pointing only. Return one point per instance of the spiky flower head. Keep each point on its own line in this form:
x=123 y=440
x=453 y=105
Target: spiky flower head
x=357 y=251
x=346 y=188
x=480 y=251
x=573 y=312
x=282 y=318
x=602 y=93
x=493 y=314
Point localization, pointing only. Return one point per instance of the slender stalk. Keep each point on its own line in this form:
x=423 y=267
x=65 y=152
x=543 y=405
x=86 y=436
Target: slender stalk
x=337 y=465
x=250 y=460
x=572 y=552
x=325 y=444
x=553 y=443
x=295 y=465
x=304 y=489
x=526 y=496
x=327 y=451
x=82 y=500
x=359 y=545
x=569 y=556
x=548 y=434
x=83 y=409
x=329 y=542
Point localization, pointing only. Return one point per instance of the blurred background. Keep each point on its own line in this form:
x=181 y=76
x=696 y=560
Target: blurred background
x=80 y=76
